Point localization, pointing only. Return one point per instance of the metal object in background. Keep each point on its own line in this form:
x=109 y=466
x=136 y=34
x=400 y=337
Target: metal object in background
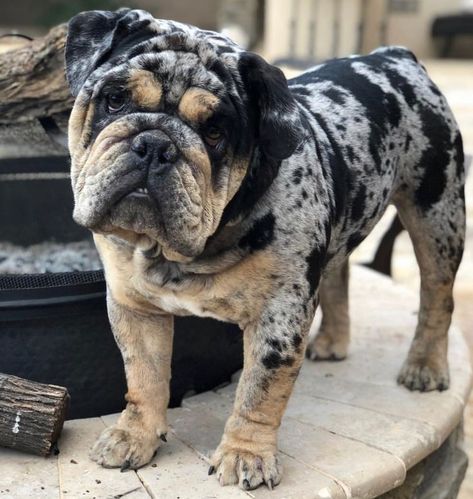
x=54 y=326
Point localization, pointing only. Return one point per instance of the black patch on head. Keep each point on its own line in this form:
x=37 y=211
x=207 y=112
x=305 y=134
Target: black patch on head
x=435 y=158
x=260 y=235
x=97 y=36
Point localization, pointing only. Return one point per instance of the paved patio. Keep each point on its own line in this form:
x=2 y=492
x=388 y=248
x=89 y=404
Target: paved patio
x=349 y=431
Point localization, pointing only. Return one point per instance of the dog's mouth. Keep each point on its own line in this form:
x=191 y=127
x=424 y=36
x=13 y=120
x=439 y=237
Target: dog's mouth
x=137 y=193
x=141 y=191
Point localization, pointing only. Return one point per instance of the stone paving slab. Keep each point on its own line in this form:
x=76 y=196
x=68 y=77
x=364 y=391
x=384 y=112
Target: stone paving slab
x=349 y=431
x=80 y=477
x=24 y=476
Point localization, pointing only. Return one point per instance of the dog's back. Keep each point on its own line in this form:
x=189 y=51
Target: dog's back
x=385 y=134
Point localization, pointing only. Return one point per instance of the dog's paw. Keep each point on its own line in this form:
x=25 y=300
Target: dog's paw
x=325 y=347
x=120 y=448
x=248 y=470
x=420 y=376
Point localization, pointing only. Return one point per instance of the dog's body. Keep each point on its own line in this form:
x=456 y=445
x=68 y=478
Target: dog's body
x=251 y=232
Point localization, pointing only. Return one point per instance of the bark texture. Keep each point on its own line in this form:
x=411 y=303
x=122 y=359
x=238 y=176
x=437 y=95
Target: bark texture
x=31 y=414
x=32 y=79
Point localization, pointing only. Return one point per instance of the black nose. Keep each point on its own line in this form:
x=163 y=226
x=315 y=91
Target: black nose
x=154 y=149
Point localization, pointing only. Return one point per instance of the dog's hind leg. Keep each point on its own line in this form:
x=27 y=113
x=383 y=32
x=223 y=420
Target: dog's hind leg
x=437 y=234
x=331 y=342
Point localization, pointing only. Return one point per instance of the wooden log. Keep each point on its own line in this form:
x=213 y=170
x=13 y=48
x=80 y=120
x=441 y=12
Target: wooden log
x=32 y=79
x=31 y=414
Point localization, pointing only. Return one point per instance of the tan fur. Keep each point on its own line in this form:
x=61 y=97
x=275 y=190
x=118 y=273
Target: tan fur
x=427 y=359
x=236 y=294
x=251 y=431
x=197 y=104
x=231 y=288
x=145 y=90
x=145 y=342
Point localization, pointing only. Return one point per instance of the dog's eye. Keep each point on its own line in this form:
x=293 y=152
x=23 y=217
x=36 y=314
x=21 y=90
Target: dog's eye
x=213 y=136
x=116 y=101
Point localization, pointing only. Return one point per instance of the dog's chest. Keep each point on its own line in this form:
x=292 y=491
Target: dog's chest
x=180 y=304
x=232 y=295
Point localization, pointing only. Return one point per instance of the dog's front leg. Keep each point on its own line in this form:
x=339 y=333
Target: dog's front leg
x=274 y=351
x=145 y=341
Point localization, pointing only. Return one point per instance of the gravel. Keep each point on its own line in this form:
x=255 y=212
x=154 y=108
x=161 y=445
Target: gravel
x=48 y=257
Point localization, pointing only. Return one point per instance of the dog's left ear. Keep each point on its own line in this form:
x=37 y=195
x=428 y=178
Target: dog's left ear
x=93 y=36
x=279 y=126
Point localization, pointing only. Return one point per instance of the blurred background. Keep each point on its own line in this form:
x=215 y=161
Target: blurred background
x=297 y=33
x=306 y=29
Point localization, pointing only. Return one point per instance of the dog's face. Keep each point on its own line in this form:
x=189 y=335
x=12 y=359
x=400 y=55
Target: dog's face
x=170 y=122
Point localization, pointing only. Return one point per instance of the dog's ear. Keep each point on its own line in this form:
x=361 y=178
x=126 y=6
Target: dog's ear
x=278 y=127
x=94 y=35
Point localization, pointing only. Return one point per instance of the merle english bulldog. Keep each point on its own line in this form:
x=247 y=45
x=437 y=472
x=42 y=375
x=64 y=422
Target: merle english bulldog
x=215 y=187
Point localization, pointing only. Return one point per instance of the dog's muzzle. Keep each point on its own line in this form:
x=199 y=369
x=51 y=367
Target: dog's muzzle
x=156 y=155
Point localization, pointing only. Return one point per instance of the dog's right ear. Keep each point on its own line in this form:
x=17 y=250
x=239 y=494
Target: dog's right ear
x=279 y=126
x=93 y=36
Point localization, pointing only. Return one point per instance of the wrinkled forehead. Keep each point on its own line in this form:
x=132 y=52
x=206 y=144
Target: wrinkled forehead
x=163 y=76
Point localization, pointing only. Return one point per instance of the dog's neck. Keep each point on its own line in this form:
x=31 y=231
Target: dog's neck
x=262 y=171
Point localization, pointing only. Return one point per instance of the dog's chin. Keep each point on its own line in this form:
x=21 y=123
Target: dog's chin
x=164 y=222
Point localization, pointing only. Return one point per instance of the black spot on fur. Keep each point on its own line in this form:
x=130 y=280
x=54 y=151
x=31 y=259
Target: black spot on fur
x=358 y=204
x=335 y=95
x=459 y=156
x=435 y=158
x=297 y=176
x=275 y=344
x=435 y=90
x=314 y=268
x=296 y=340
x=274 y=360
x=353 y=241
x=340 y=174
x=381 y=108
x=260 y=235
x=350 y=153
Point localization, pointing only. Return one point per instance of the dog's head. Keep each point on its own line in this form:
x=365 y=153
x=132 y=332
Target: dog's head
x=169 y=122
